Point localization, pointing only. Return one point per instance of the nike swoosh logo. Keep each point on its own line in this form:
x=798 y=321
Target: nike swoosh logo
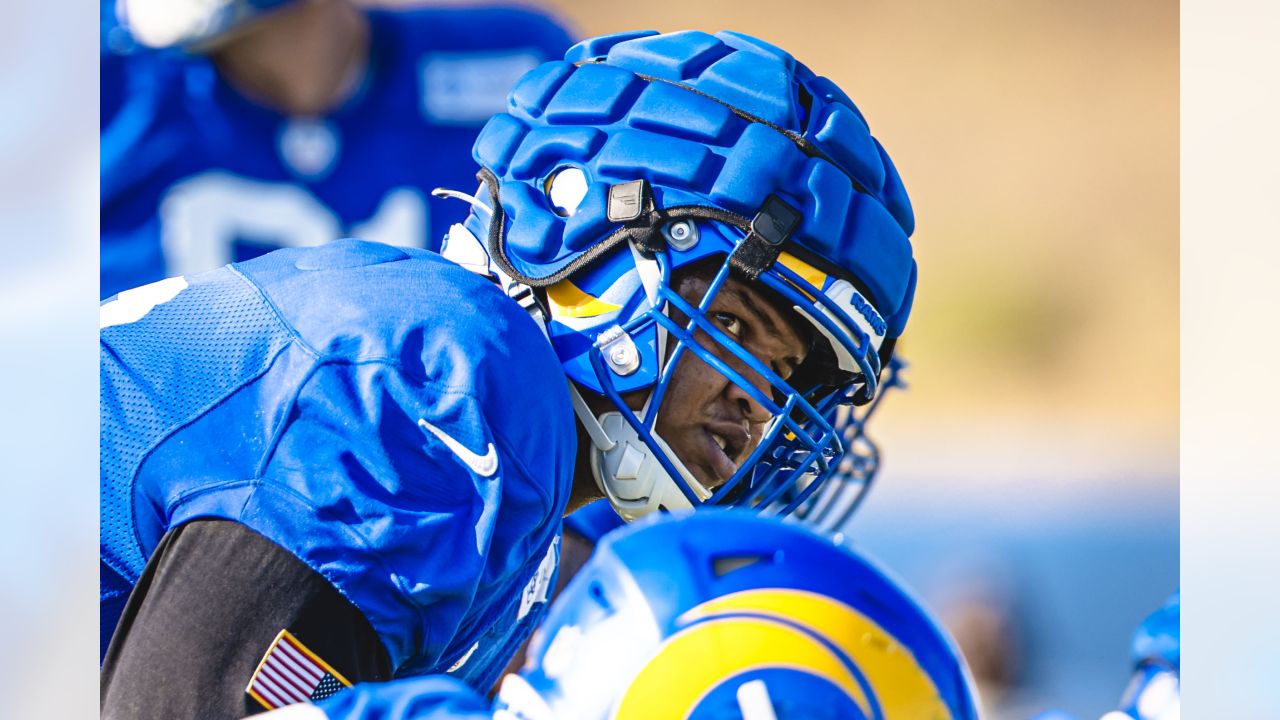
x=482 y=465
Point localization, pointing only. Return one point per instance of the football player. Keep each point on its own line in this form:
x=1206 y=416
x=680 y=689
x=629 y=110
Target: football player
x=234 y=127
x=1155 y=691
x=709 y=616
x=350 y=462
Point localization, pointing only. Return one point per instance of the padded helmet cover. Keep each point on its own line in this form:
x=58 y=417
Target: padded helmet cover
x=720 y=121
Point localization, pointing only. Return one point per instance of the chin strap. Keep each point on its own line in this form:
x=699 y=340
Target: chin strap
x=599 y=437
x=471 y=200
x=631 y=205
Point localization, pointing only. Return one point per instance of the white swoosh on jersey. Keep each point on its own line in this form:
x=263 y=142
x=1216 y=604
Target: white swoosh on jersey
x=482 y=465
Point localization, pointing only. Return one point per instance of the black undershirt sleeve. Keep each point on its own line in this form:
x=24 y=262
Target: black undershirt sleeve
x=212 y=599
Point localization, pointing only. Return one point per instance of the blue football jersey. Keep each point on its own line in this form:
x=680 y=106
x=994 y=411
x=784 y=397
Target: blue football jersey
x=195 y=175
x=390 y=418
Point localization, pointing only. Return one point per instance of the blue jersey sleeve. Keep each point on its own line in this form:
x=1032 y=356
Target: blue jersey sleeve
x=432 y=697
x=403 y=522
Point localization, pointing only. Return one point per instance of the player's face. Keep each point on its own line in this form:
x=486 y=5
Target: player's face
x=710 y=423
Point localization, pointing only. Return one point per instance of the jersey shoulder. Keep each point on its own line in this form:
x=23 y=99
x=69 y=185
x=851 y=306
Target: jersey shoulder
x=450 y=332
x=364 y=300
x=431 y=413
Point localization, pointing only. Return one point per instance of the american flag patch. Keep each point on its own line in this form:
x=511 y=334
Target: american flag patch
x=290 y=673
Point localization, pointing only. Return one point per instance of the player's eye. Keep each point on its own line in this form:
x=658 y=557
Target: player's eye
x=730 y=323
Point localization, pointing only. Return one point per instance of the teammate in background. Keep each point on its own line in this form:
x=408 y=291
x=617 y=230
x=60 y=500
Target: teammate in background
x=711 y=616
x=347 y=463
x=237 y=127
x=1155 y=692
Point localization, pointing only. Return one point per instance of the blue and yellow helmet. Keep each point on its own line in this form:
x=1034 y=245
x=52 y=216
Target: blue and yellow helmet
x=643 y=154
x=724 y=615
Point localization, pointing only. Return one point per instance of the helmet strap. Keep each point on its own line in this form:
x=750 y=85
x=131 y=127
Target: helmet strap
x=590 y=423
x=772 y=226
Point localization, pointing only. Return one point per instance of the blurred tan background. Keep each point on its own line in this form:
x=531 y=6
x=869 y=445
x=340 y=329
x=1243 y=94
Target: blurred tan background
x=1039 y=142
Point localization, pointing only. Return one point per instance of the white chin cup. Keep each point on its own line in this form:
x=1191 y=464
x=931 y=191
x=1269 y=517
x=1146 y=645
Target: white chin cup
x=632 y=477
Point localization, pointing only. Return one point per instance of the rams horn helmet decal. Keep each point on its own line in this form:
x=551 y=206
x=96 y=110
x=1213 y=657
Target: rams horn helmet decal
x=784 y=633
x=730 y=616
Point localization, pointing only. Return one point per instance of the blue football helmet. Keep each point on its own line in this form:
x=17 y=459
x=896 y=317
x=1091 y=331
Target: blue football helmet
x=726 y=615
x=644 y=155
x=169 y=23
